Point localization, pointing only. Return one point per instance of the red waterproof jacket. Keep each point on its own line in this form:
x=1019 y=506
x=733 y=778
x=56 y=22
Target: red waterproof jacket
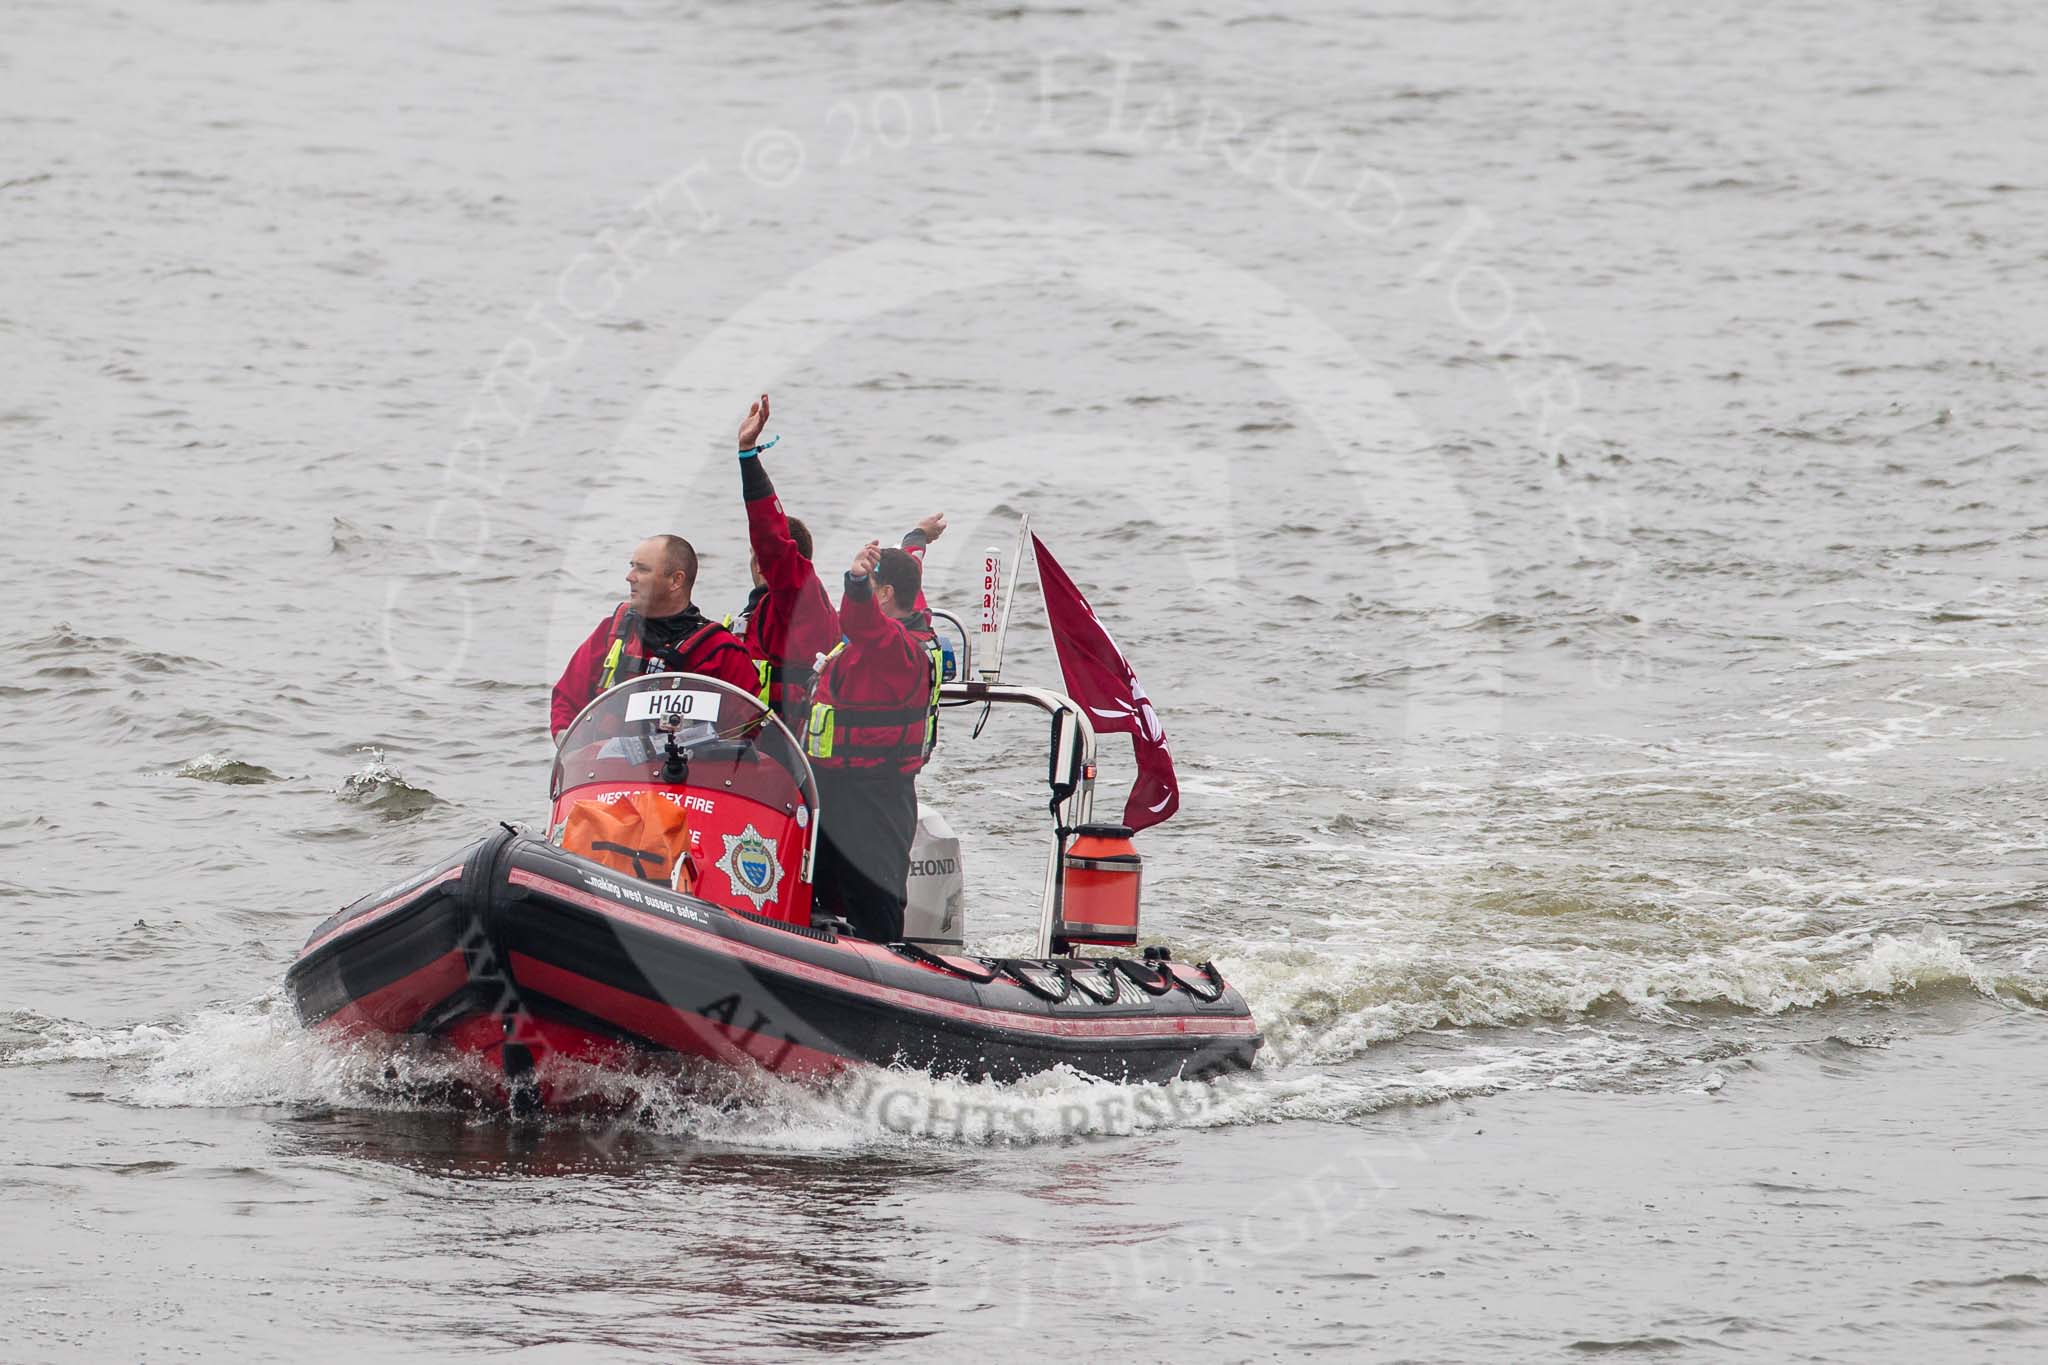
x=876 y=705
x=694 y=646
x=790 y=620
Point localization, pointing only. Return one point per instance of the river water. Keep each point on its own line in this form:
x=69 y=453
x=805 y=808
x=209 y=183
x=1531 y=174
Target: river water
x=1568 y=476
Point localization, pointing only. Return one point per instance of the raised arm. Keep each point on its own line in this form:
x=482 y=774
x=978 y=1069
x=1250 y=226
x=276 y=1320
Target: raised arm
x=782 y=563
x=860 y=619
x=917 y=540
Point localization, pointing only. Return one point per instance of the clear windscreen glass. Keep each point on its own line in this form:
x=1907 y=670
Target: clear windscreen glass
x=625 y=735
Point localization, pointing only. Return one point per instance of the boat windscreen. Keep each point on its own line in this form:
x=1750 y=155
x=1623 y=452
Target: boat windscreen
x=639 y=730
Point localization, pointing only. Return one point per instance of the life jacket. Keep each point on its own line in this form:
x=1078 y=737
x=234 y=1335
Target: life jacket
x=783 y=686
x=629 y=655
x=849 y=734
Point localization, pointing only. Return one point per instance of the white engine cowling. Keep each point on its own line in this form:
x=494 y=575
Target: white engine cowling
x=935 y=912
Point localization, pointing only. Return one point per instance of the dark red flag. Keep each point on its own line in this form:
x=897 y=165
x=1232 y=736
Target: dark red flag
x=1102 y=681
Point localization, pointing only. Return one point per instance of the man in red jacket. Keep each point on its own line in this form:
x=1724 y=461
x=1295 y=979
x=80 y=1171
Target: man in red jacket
x=789 y=619
x=656 y=629
x=873 y=722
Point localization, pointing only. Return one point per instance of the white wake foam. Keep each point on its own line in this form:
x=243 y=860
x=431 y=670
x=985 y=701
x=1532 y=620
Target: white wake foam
x=1323 y=1015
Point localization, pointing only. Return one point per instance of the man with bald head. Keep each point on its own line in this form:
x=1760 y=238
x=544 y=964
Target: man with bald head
x=656 y=629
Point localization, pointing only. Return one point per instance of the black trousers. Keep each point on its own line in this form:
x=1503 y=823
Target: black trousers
x=863 y=865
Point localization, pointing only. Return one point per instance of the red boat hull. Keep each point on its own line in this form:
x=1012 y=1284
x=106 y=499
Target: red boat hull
x=523 y=955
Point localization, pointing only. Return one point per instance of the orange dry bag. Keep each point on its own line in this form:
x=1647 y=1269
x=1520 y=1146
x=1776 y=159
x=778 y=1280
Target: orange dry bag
x=643 y=834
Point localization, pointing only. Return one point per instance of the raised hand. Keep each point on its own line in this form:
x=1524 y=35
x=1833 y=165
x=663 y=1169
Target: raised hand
x=752 y=423
x=933 y=526
x=869 y=556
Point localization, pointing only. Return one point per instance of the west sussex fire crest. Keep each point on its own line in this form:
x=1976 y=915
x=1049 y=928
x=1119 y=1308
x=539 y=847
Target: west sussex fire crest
x=749 y=863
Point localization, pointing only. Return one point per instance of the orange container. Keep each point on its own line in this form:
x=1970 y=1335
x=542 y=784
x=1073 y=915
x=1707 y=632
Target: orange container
x=1099 y=880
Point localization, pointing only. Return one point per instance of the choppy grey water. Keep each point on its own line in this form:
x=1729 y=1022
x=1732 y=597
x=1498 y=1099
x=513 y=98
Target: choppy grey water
x=1568 y=474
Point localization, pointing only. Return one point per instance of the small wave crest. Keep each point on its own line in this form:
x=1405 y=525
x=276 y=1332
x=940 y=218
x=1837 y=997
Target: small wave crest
x=229 y=772
x=66 y=653
x=379 y=787
x=66 y=1042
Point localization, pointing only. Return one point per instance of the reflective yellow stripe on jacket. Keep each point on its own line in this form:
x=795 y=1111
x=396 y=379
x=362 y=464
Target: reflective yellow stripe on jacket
x=763 y=670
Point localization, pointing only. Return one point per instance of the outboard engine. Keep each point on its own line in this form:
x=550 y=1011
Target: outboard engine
x=935 y=912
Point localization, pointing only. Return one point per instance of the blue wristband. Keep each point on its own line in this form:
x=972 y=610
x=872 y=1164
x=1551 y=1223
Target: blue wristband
x=756 y=450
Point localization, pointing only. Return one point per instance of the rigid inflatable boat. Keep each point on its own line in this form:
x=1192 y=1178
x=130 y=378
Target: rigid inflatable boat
x=666 y=913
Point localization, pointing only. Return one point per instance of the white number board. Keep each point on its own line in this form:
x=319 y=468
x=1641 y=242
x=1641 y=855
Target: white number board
x=692 y=706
